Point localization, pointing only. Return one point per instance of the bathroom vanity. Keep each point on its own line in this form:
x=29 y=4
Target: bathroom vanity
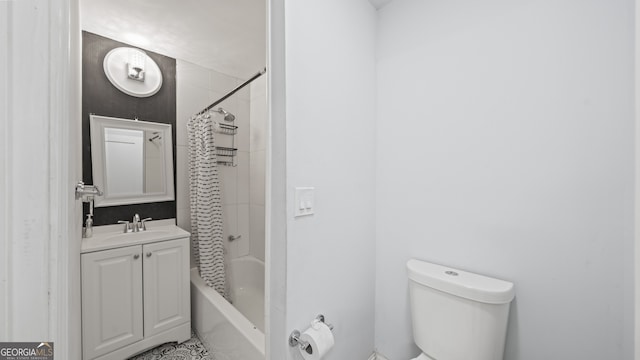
x=135 y=289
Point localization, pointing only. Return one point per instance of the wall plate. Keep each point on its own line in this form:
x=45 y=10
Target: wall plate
x=304 y=201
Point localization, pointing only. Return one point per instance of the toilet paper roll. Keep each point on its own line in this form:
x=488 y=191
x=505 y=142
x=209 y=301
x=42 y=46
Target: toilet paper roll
x=320 y=339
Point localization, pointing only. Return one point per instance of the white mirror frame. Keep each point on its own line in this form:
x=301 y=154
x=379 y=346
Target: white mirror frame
x=98 y=124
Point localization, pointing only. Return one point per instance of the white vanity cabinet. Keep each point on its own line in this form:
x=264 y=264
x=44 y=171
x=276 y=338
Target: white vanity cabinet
x=134 y=297
x=111 y=300
x=166 y=286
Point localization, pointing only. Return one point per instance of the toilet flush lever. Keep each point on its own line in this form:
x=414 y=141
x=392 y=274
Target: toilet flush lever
x=231 y=237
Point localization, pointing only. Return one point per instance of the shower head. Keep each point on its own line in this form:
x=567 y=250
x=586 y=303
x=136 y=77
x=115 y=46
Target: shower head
x=227 y=115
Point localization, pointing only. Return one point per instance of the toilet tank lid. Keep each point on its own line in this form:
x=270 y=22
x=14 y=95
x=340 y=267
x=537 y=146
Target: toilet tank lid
x=461 y=283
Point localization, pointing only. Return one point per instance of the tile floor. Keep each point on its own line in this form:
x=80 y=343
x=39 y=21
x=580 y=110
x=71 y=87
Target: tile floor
x=191 y=349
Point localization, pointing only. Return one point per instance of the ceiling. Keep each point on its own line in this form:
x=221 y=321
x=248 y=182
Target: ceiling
x=228 y=36
x=224 y=35
x=379 y=3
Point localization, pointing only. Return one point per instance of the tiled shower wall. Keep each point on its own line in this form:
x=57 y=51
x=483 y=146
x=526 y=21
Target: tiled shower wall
x=196 y=88
x=257 y=151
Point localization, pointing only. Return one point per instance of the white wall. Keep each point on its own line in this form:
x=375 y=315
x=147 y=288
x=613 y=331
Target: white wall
x=196 y=88
x=505 y=147
x=4 y=114
x=637 y=184
x=330 y=98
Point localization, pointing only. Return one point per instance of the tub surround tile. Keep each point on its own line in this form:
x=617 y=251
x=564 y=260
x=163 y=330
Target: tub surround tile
x=192 y=74
x=230 y=104
x=243 y=177
x=190 y=100
x=259 y=88
x=197 y=88
x=257 y=175
x=258 y=113
x=257 y=231
x=258 y=131
x=257 y=143
x=243 y=230
x=243 y=122
x=245 y=93
x=230 y=227
x=228 y=184
x=221 y=82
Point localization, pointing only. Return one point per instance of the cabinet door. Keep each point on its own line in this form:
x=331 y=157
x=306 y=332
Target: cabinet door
x=111 y=300
x=166 y=285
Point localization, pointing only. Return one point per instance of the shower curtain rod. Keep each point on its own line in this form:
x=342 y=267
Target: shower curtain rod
x=230 y=93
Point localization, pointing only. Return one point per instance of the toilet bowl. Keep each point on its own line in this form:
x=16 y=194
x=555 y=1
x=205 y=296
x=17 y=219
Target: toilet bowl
x=457 y=315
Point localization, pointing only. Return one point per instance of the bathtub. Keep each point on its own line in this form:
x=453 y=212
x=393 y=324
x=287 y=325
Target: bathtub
x=231 y=332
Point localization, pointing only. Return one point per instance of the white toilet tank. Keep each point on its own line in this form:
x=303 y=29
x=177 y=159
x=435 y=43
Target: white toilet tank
x=458 y=315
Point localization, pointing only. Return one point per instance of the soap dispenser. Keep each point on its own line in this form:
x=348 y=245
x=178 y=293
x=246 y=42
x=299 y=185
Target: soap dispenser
x=88 y=226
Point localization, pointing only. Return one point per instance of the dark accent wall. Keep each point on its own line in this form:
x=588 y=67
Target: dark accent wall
x=100 y=97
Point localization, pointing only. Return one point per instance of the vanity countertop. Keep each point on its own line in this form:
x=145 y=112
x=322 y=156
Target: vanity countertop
x=113 y=236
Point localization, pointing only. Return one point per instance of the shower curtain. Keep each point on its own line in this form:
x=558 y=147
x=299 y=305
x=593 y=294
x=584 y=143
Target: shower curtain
x=206 y=204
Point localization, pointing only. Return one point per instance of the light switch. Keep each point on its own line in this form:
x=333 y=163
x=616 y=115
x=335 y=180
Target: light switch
x=304 y=200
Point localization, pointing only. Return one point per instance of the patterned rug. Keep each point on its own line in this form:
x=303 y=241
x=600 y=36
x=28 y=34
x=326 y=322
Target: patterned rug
x=191 y=349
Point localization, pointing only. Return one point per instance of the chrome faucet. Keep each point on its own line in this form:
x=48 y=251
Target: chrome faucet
x=143 y=226
x=127 y=226
x=136 y=225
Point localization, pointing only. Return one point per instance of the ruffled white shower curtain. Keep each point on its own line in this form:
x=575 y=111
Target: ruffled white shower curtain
x=206 y=204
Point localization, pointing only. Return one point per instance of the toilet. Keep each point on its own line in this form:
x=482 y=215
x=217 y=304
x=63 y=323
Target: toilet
x=457 y=315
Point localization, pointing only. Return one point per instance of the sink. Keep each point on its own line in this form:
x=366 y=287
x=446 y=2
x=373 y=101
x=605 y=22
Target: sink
x=112 y=236
x=137 y=236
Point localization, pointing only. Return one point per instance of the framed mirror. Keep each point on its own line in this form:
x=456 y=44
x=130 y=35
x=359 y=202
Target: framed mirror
x=132 y=161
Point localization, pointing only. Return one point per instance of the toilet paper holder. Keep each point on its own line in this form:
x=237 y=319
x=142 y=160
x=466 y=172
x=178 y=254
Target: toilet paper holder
x=294 y=338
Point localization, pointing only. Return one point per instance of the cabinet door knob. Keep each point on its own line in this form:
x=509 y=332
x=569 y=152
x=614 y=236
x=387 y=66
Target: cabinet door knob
x=136 y=256
x=148 y=254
